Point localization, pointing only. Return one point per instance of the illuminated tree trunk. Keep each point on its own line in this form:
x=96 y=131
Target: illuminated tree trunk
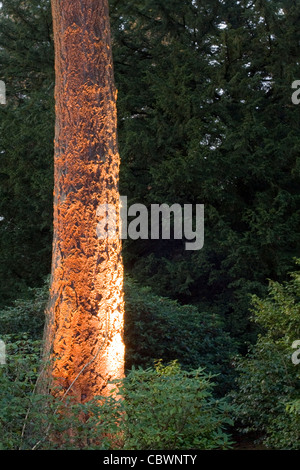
x=84 y=323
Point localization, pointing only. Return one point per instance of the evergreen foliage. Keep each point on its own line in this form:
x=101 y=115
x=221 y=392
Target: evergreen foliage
x=205 y=116
x=267 y=397
x=160 y=328
x=155 y=328
x=26 y=142
x=163 y=407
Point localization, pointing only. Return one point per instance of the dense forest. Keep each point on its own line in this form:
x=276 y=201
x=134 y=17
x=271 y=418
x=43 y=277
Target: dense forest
x=206 y=115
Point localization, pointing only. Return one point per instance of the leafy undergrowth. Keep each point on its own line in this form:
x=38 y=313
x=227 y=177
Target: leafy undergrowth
x=161 y=408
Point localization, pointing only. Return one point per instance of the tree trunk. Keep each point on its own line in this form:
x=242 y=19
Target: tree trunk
x=84 y=318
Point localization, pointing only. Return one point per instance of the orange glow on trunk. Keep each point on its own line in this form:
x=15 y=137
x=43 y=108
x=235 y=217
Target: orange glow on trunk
x=84 y=325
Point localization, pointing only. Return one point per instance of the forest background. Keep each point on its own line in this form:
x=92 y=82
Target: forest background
x=205 y=116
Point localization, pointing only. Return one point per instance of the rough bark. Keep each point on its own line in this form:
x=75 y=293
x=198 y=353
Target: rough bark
x=84 y=318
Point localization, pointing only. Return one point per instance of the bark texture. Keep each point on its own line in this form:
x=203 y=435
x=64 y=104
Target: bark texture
x=84 y=324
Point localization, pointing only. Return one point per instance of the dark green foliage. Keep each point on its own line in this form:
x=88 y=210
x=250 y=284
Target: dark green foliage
x=26 y=145
x=30 y=421
x=26 y=316
x=205 y=116
x=168 y=408
x=161 y=408
x=155 y=328
x=17 y=382
x=160 y=328
x=268 y=384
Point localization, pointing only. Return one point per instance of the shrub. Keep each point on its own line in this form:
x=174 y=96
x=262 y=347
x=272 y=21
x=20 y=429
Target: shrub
x=21 y=328
x=175 y=404
x=29 y=420
x=168 y=408
x=155 y=328
x=268 y=383
x=26 y=315
x=17 y=383
x=160 y=328
x=161 y=408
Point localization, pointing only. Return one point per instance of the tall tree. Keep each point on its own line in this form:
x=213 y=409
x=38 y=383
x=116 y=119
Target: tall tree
x=84 y=324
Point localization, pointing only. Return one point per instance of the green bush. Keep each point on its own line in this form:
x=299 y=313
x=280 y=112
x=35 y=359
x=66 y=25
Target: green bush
x=160 y=328
x=21 y=328
x=160 y=408
x=155 y=328
x=168 y=408
x=175 y=405
x=17 y=382
x=30 y=420
x=26 y=315
x=268 y=383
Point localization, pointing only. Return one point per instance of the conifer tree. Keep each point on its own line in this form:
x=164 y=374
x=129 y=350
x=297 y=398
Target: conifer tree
x=208 y=119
